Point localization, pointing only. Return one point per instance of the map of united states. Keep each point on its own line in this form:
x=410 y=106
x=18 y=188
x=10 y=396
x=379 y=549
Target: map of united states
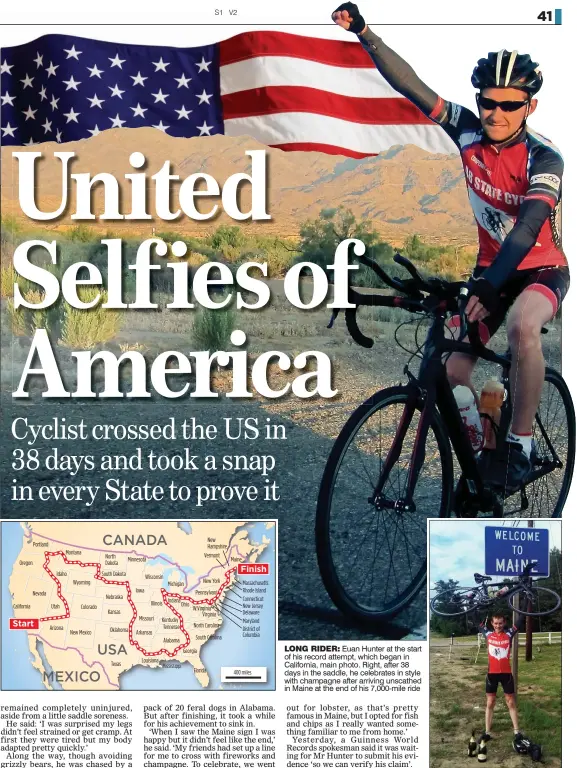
x=100 y=598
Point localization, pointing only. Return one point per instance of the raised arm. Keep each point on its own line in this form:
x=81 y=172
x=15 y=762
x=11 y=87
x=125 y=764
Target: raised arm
x=400 y=75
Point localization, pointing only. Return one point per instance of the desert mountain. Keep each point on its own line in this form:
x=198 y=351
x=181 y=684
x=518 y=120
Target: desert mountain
x=405 y=190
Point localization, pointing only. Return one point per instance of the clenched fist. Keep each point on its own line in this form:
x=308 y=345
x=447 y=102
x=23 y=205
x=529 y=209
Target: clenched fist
x=348 y=17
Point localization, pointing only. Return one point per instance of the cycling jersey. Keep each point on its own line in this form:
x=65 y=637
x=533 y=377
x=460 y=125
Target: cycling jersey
x=500 y=178
x=499 y=649
x=514 y=187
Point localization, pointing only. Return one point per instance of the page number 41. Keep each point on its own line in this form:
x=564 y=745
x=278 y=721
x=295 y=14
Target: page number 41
x=545 y=16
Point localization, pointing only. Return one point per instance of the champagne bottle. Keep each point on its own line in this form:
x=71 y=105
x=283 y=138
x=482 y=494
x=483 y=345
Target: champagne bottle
x=472 y=746
x=482 y=752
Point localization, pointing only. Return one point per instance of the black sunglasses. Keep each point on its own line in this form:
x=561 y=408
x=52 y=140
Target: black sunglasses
x=506 y=106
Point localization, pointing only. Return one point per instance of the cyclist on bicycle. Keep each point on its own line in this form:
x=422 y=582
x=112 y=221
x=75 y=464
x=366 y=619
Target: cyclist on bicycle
x=499 y=640
x=513 y=178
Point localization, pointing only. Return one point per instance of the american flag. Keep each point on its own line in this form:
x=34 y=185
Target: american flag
x=284 y=90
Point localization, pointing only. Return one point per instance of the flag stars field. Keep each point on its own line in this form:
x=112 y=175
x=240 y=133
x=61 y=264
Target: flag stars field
x=62 y=103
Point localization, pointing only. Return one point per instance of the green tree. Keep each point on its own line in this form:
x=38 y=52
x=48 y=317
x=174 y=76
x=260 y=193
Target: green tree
x=320 y=237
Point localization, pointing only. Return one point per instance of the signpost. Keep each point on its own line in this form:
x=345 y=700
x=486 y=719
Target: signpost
x=529 y=621
x=509 y=550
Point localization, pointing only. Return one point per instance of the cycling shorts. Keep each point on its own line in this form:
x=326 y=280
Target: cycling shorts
x=551 y=282
x=507 y=681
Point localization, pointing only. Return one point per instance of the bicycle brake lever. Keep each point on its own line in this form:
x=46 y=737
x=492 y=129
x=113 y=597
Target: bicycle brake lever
x=463 y=299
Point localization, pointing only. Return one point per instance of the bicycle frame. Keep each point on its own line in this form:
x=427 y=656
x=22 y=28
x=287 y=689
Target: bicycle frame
x=517 y=586
x=431 y=388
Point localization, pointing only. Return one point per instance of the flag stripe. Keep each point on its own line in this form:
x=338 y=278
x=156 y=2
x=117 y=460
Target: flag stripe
x=273 y=100
x=263 y=71
x=337 y=53
x=328 y=149
x=287 y=128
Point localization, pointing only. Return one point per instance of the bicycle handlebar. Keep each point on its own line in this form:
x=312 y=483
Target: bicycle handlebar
x=453 y=295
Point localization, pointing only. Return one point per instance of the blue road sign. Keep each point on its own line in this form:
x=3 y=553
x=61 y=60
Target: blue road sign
x=509 y=550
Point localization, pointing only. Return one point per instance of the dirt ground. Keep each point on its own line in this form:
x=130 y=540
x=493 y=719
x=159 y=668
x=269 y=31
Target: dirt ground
x=457 y=706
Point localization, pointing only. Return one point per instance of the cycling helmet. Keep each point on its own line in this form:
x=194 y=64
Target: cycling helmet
x=508 y=69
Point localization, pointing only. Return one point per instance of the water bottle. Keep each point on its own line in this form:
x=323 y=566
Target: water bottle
x=492 y=397
x=470 y=415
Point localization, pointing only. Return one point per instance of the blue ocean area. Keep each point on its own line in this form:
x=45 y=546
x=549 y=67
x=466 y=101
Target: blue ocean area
x=231 y=650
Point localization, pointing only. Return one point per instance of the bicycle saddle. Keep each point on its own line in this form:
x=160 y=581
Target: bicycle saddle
x=479 y=578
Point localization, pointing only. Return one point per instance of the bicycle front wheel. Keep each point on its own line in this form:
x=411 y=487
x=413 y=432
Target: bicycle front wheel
x=553 y=455
x=372 y=556
x=536 y=601
x=455 y=602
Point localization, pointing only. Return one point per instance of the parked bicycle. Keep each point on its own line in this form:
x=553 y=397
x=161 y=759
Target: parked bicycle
x=532 y=597
x=391 y=467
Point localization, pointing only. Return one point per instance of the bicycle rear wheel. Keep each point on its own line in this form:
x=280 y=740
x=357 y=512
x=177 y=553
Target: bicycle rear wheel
x=536 y=601
x=456 y=602
x=373 y=560
x=554 y=455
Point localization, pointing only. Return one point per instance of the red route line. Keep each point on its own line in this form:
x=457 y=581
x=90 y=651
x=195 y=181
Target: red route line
x=164 y=593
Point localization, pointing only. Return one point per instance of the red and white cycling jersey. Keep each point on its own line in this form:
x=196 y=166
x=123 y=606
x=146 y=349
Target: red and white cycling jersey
x=499 y=178
x=499 y=649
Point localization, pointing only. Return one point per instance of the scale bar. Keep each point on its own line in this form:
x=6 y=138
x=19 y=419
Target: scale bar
x=250 y=674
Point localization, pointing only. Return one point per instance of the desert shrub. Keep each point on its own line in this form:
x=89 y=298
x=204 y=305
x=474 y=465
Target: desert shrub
x=8 y=277
x=212 y=327
x=18 y=321
x=195 y=259
x=385 y=314
x=10 y=229
x=25 y=320
x=80 y=233
x=450 y=262
x=227 y=237
x=85 y=328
